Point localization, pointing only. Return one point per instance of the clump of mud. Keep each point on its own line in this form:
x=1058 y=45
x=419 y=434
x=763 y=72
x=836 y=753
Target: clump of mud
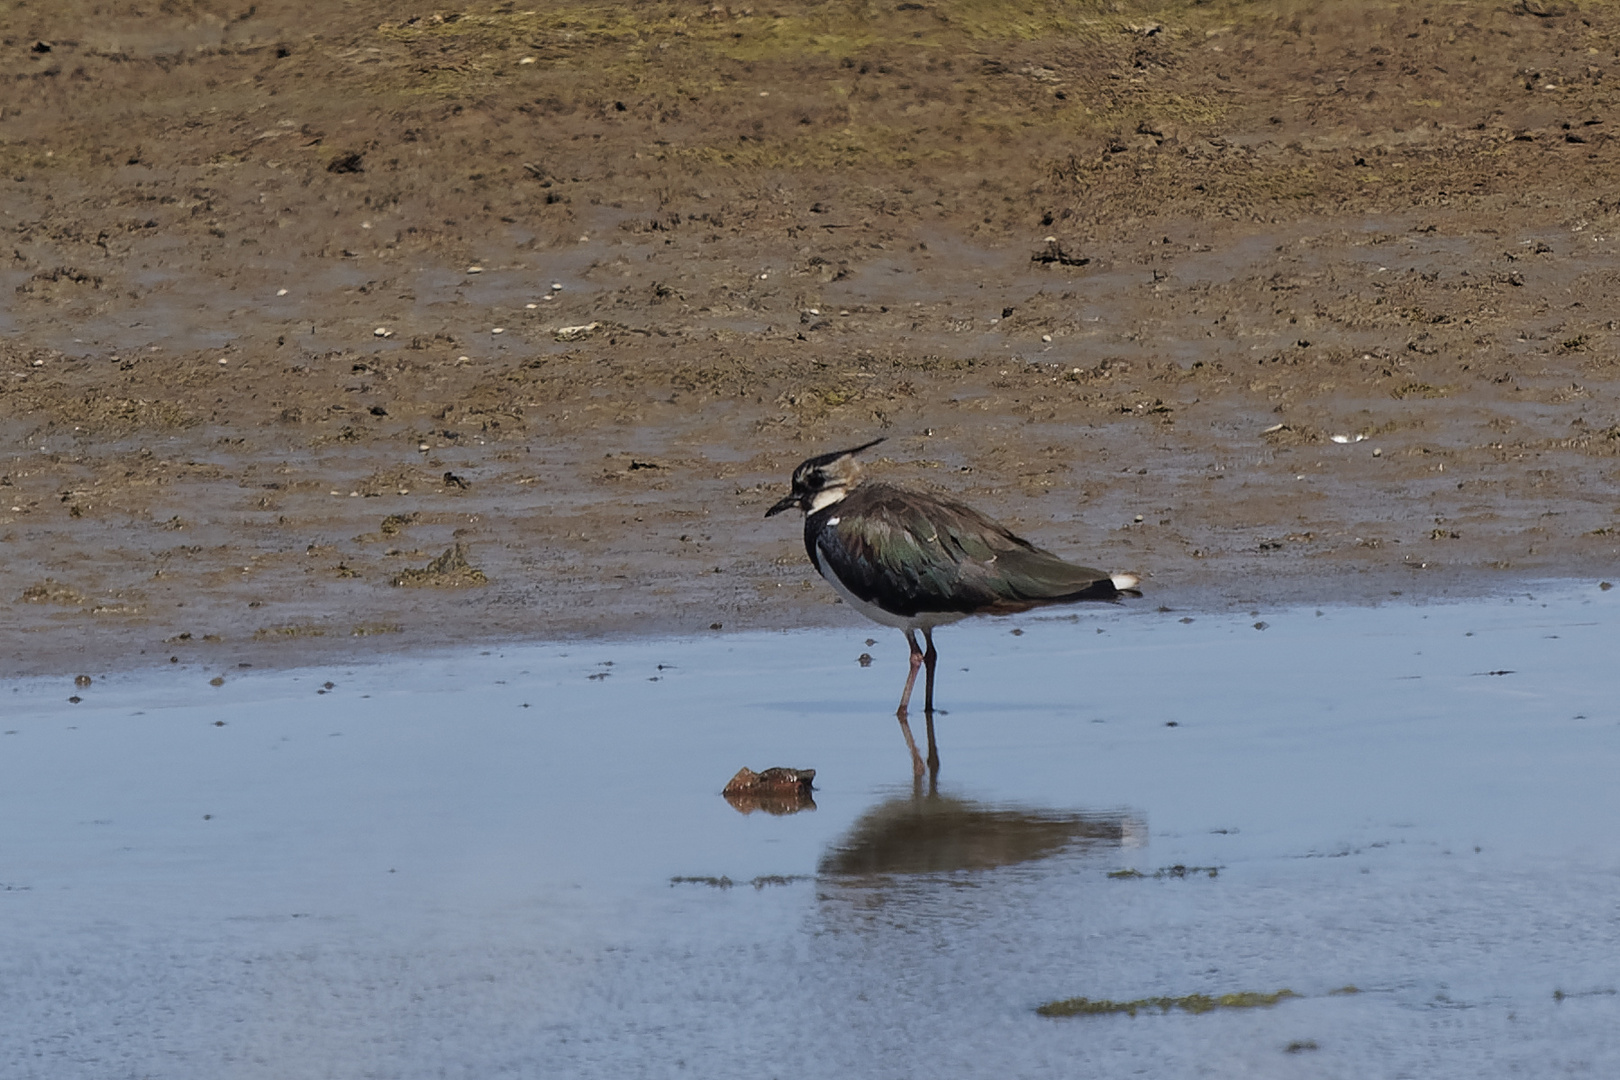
x=449 y=571
x=1193 y=1003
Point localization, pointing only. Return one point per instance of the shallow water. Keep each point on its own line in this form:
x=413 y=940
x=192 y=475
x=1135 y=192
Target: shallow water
x=463 y=865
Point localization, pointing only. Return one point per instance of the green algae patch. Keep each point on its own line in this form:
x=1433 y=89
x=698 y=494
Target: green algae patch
x=759 y=883
x=1193 y=1003
x=1176 y=871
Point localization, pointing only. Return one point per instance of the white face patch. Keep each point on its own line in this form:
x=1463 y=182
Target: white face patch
x=834 y=521
x=826 y=497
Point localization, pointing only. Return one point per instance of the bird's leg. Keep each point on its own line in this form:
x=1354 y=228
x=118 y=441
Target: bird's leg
x=931 y=657
x=911 y=679
x=917 y=767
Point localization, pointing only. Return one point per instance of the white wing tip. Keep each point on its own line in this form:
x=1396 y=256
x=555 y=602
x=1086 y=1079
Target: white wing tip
x=1126 y=581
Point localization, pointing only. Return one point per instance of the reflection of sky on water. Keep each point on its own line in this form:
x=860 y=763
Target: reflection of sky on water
x=416 y=875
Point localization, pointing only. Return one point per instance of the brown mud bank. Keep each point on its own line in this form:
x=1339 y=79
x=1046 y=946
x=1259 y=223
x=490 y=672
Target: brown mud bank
x=1269 y=304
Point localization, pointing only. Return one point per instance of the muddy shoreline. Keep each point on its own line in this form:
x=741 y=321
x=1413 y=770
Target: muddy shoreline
x=298 y=301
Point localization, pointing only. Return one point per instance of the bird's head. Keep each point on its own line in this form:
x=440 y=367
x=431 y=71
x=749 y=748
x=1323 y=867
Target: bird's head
x=822 y=481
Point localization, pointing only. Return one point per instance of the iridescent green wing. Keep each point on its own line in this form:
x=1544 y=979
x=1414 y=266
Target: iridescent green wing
x=911 y=552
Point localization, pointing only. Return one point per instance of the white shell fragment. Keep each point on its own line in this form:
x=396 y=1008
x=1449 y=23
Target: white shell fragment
x=574 y=333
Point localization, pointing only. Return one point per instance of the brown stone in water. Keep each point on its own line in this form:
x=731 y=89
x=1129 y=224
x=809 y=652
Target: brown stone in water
x=775 y=791
x=773 y=780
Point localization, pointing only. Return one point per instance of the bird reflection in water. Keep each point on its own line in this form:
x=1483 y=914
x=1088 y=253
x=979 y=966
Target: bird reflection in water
x=932 y=833
x=918 y=764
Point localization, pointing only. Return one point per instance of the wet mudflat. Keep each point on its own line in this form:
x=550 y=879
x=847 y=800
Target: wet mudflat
x=515 y=862
x=296 y=298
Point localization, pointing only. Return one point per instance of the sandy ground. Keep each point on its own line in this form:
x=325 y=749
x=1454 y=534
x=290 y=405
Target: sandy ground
x=300 y=297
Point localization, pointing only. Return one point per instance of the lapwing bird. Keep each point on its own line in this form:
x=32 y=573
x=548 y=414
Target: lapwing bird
x=916 y=560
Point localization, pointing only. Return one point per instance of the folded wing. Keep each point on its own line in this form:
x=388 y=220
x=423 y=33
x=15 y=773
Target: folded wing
x=910 y=552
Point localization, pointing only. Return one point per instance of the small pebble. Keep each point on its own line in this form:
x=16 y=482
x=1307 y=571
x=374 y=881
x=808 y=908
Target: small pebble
x=499 y=330
x=281 y=292
x=381 y=331
x=475 y=269
x=556 y=285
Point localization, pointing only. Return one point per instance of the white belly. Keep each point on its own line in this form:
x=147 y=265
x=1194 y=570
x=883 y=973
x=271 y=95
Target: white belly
x=923 y=620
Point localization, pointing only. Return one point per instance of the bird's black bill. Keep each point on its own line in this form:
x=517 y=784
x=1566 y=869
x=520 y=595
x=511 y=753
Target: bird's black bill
x=786 y=504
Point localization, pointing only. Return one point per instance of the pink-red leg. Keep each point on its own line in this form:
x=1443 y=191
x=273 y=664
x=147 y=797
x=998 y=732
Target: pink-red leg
x=911 y=678
x=917 y=766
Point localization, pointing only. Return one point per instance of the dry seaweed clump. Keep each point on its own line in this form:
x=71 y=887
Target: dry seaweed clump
x=449 y=571
x=1193 y=1003
x=51 y=591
